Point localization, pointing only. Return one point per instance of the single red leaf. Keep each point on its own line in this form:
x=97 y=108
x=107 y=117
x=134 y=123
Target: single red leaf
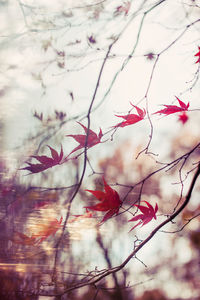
x=198 y=55
x=131 y=118
x=80 y=138
x=148 y=213
x=45 y=161
x=109 y=201
x=182 y=104
x=171 y=109
x=92 y=140
x=56 y=158
x=35 y=168
x=100 y=134
x=141 y=112
x=100 y=195
x=143 y=209
x=91 y=133
x=183 y=117
x=136 y=218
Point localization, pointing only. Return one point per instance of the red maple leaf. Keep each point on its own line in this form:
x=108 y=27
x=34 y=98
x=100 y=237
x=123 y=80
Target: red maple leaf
x=93 y=138
x=48 y=229
x=45 y=161
x=183 y=117
x=123 y=8
x=132 y=118
x=148 y=213
x=198 y=54
x=171 y=109
x=109 y=201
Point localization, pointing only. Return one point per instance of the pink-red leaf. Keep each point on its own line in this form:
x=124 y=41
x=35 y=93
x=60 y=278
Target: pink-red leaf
x=136 y=218
x=35 y=168
x=92 y=139
x=100 y=195
x=100 y=134
x=131 y=118
x=141 y=112
x=109 y=201
x=182 y=104
x=148 y=213
x=45 y=161
x=198 y=55
x=183 y=117
x=171 y=109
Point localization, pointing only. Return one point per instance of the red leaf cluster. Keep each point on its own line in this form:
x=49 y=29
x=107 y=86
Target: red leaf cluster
x=148 y=213
x=131 y=119
x=109 y=201
x=45 y=161
x=93 y=138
